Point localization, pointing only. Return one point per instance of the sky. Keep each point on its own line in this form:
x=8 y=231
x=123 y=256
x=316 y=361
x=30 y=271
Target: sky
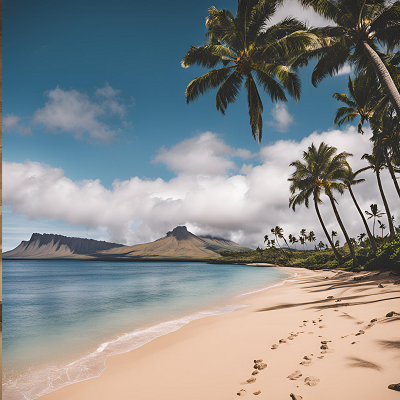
x=99 y=141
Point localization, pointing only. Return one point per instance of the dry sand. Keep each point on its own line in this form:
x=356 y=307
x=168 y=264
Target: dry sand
x=213 y=358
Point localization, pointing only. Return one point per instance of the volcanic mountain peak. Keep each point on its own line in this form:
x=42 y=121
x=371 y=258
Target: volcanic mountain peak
x=180 y=233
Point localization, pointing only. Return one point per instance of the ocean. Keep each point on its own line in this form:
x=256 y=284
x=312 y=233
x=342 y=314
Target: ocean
x=63 y=318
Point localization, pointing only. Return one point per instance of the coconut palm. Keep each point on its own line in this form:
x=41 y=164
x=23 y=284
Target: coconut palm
x=363 y=100
x=247 y=51
x=381 y=226
x=375 y=213
x=361 y=237
x=376 y=162
x=277 y=231
x=306 y=182
x=303 y=235
x=361 y=28
x=350 y=179
x=333 y=234
x=386 y=137
x=321 y=172
x=311 y=237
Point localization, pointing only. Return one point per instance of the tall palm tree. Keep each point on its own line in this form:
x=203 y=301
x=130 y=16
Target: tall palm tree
x=323 y=169
x=333 y=234
x=375 y=213
x=386 y=137
x=311 y=237
x=277 y=231
x=361 y=28
x=306 y=182
x=363 y=100
x=376 y=163
x=350 y=179
x=248 y=51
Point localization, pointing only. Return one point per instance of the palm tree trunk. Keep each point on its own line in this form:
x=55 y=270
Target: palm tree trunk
x=370 y=236
x=384 y=77
x=385 y=203
x=339 y=220
x=337 y=255
x=390 y=168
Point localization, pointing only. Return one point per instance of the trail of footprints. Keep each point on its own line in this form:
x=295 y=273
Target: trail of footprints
x=259 y=365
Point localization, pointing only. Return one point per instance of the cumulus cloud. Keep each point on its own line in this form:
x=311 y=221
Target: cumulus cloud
x=283 y=119
x=11 y=122
x=205 y=154
x=73 y=112
x=239 y=204
x=345 y=70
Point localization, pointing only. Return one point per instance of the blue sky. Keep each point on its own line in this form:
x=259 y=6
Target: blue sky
x=96 y=88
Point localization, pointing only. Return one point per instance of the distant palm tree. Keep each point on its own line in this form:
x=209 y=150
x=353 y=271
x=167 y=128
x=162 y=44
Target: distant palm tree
x=307 y=181
x=361 y=237
x=249 y=51
x=303 y=234
x=381 y=226
x=322 y=171
x=375 y=213
x=362 y=27
x=350 y=180
x=311 y=237
x=376 y=162
x=333 y=234
x=277 y=231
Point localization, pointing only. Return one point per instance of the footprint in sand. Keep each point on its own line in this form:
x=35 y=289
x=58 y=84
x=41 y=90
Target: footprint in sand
x=241 y=392
x=260 y=366
x=395 y=386
x=311 y=381
x=254 y=372
x=250 y=380
x=257 y=393
x=282 y=341
x=274 y=346
x=295 y=375
x=295 y=396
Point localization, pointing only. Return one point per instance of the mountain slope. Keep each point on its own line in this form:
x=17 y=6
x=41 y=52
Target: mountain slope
x=57 y=246
x=177 y=244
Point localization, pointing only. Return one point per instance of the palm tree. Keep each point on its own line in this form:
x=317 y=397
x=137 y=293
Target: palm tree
x=292 y=240
x=333 y=234
x=303 y=235
x=249 y=52
x=363 y=100
x=381 y=226
x=311 y=237
x=277 y=231
x=361 y=237
x=350 y=180
x=322 y=170
x=376 y=163
x=362 y=27
x=375 y=213
x=386 y=137
x=306 y=182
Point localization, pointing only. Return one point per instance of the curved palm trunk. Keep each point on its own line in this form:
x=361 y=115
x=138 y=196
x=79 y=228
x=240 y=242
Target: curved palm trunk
x=385 y=203
x=384 y=77
x=370 y=236
x=339 y=220
x=337 y=255
x=287 y=245
x=390 y=168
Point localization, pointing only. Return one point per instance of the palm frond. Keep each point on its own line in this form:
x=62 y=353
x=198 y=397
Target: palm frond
x=228 y=91
x=255 y=108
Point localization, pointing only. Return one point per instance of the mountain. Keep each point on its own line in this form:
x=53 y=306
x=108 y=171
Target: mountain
x=57 y=246
x=178 y=244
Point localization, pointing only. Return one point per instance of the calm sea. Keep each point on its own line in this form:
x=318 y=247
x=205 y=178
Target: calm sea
x=62 y=319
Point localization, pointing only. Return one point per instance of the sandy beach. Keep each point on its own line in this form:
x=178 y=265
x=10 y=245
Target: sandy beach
x=329 y=343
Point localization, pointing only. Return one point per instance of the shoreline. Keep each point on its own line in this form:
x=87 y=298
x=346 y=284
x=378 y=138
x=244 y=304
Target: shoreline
x=213 y=357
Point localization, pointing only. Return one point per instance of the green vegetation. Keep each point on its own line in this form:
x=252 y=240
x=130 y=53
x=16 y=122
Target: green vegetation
x=387 y=257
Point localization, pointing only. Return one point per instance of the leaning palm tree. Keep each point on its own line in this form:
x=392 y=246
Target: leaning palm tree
x=333 y=234
x=247 y=51
x=376 y=163
x=306 y=183
x=375 y=213
x=363 y=100
x=386 y=137
x=322 y=171
x=361 y=28
x=277 y=231
x=350 y=179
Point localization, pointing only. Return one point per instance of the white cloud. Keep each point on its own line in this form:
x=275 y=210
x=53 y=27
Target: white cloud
x=11 y=123
x=242 y=206
x=293 y=8
x=74 y=112
x=283 y=119
x=345 y=70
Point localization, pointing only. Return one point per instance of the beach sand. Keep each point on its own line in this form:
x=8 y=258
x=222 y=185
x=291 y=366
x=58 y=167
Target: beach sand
x=213 y=358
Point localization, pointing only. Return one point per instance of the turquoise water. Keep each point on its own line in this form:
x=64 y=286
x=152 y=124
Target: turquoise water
x=63 y=318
